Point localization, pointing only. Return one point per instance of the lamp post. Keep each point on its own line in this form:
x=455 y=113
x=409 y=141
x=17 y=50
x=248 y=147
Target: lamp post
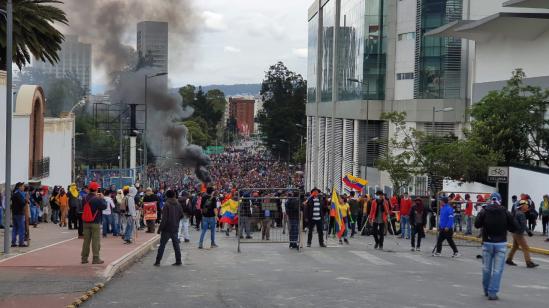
x=145 y=177
x=289 y=146
x=364 y=84
x=447 y=109
x=7 y=185
x=80 y=103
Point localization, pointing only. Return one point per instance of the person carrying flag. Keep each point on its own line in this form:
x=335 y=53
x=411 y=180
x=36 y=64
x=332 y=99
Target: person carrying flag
x=378 y=218
x=315 y=214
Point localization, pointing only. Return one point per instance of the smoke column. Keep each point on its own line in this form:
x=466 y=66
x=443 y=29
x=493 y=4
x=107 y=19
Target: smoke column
x=106 y=24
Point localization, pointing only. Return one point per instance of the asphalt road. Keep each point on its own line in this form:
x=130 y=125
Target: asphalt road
x=355 y=275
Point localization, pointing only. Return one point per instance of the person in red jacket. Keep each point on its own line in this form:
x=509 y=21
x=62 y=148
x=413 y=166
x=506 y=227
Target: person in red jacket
x=378 y=218
x=405 y=207
x=468 y=214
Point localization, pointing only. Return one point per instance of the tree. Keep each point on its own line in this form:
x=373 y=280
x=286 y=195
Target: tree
x=512 y=121
x=284 y=95
x=33 y=31
x=196 y=133
x=94 y=147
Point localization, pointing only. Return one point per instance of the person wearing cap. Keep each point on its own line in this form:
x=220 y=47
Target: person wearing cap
x=91 y=229
x=405 y=207
x=518 y=236
x=379 y=212
x=172 y=213
x=494 y=221
x=446 y=228
x=74 y=204
x=418 y=220
x=315 y=216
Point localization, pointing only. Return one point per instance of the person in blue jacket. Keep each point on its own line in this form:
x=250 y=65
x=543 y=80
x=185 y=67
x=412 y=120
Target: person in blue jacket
x=446 y=228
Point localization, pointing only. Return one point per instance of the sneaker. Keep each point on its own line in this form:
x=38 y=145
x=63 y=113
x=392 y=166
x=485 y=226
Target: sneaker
x=323 y=245
x=531 y=264
x=346 y=241
x=200 y=247
x=248 y=237
x=380 y=247
x=412 y=249
x=376 y=246
x=510 y=262
x=177 y=264
x=98 y=261
x=456 y=255
x=213 y=245
x=493 y=297
x=417 y=249
x=308 y=245
x=13 y=245
x=227 y=233
x=436 y=254
x=340 y=242
x=187 y=240
x=84 y=262
x=156 y=264
x=23 y=245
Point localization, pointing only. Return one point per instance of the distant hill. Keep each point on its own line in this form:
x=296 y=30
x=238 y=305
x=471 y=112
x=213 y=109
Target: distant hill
x=235 y=89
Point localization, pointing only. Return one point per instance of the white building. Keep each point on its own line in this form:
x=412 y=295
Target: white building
x=41 y=147
x=75 y=58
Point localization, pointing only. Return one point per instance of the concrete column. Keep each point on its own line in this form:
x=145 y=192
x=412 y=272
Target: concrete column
x=133 y=145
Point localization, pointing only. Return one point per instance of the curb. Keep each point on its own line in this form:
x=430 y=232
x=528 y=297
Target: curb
x=509 y=245
x=116 y=267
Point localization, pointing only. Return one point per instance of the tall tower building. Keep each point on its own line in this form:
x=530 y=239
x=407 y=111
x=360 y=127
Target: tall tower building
x=152 y=43
x=75 y=59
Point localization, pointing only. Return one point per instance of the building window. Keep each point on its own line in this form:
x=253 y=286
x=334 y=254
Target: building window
x=312 y=59
x=328 y=25
x=405 y=76
x=407 y=36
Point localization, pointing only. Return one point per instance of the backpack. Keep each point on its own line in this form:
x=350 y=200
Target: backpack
x=87 y=215
x=187 y=208
x=124 y=205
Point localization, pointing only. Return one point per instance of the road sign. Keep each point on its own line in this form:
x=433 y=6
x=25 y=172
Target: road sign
x=214 y=150
x=498 y=174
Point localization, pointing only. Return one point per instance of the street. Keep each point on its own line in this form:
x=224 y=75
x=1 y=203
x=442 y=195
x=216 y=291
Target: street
x=355 y=275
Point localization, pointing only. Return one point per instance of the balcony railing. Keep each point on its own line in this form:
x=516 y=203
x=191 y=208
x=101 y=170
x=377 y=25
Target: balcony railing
x=41 y=168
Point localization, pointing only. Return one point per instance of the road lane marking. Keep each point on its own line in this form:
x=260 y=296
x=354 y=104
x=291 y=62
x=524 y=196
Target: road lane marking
x=418 y=259
x=371 y=258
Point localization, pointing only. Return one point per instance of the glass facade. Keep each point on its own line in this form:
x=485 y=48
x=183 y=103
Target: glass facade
x=312 y=59
x=362 y=50
x=438 y=60
x=328 y=24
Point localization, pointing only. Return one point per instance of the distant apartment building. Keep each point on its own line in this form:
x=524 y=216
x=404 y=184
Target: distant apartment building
x=152 y=41
x=242 y=110
x=75 y=59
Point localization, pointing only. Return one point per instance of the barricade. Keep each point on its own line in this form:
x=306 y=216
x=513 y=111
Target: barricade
x=263 y=219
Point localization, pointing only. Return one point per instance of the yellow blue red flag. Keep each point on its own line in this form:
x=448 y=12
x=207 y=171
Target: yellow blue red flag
x=354 y=182
x=339 y=223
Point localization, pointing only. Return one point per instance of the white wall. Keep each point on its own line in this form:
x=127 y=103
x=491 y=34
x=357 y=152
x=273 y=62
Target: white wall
x=58 y=147
x=455 y=186
x=19 y=150
x=2 y=130
x=533 y=183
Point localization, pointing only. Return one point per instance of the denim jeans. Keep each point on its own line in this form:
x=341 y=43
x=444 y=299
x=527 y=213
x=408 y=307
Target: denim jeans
x=34 y=215
x=469 y=225
x=183 y=233
x=1 y=216
x=108 y=226
x=405 y=226
x=115 y=225
x=18 y=229
x=493 y=259
x=207 y=223
x=55 y=216
x=457 y=222
x=129 y=228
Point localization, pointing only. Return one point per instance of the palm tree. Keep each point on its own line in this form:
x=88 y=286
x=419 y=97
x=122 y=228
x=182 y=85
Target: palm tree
x=33 y=31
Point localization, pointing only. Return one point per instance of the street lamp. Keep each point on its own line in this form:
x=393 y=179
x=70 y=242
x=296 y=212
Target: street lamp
x=364 y=84
x=288 y=143
x=9 y=60
x=80 y=103
x=446 y=109
x=147 y=77
x=300 y=135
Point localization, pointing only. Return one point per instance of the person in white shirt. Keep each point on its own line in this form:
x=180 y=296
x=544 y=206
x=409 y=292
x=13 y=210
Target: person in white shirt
x=108 y=219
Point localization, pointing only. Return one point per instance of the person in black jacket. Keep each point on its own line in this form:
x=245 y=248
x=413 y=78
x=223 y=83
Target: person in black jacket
x=18 y=203
x=316 y=211
x=292 y=210
x=418 y=220
x=169 y=227
x=495 y=221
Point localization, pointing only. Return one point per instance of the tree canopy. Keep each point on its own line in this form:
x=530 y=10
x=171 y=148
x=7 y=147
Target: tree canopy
x=284 y=95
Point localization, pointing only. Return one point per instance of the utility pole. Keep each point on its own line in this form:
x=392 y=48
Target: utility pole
x=7 y=185
x=121 y=139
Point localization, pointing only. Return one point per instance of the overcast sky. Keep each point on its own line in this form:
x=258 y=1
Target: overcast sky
x=236 y=42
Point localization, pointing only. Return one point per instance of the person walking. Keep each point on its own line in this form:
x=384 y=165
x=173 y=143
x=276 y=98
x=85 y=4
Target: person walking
x=292 y=210
x=518 y=236
x=379 y=211
x=209 y=216
x=63 y=207
x=131 y=214
x=18 y=204
x=446 y=228
x=185 y=203
x=108 y=216
x=315 y=213
x=494 y=221
x=94 y=204
x=172 y=213
x=418 y=220
x=468 y=214
x=405 y=208
x=544 y=214
x=356 y=213
x=74 y=204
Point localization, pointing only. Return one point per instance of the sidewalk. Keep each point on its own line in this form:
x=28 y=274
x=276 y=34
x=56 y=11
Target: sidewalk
x=49 y=273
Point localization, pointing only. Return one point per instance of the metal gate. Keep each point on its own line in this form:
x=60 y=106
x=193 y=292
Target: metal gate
x=263 y=219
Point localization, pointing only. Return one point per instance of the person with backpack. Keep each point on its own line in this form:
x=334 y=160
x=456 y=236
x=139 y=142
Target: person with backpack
x=131 y=214
x=185 y=202
x=168 y=229
x=209 y=216
x=122 y=210
x=74 y=204
x=531 y=214
x=494 y=221
x=544 y=215
x=94 y=204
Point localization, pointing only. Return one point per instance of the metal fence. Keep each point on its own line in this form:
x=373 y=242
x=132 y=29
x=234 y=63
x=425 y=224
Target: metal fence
x=262 y=219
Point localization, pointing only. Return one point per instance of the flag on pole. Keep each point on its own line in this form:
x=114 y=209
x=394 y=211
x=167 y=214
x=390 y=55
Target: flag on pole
x=354 y=182
x=229 y=210
x=339 y=223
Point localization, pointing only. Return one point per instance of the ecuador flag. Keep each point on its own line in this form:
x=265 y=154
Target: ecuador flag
x=354 y=182
x=339 y=223
x=229 y=211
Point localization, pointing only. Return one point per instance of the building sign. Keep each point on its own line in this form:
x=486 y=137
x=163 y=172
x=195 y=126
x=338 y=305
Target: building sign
x=498 y=174
x=214 y=150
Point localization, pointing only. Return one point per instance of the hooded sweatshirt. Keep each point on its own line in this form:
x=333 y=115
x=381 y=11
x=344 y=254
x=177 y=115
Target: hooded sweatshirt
x=495 y=221
x=131 y=202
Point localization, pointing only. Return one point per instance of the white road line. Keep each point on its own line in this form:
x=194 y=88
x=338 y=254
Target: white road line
x=371 y=258
x=320 y=257
x=417 y=258
x=37 y=249
x=540 y=259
